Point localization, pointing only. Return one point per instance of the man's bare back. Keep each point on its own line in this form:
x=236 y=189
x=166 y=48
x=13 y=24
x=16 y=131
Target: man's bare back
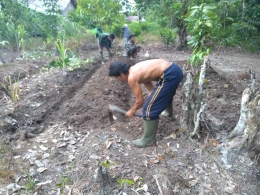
x=146 y=71
x=142 y=73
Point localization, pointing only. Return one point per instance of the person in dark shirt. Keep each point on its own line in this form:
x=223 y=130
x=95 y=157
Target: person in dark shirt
x=106 y=41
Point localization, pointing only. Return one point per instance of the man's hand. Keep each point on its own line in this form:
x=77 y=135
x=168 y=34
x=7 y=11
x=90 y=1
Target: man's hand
x=100 y=50
x=130 y=113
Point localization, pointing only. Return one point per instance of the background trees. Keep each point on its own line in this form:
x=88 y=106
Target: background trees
x=233 y=23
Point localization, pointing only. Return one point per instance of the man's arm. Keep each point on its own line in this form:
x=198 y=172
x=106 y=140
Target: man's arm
x=139 y=101
x=149 y=87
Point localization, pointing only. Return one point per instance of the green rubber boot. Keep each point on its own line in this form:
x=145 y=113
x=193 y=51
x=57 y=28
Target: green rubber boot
x=101 y=59
x=149 y=136
x=168 y=112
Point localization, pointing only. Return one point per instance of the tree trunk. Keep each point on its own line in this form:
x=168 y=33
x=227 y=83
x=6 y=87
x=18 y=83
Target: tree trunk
x=193 y=97
x=182 y=37
x=246 y=135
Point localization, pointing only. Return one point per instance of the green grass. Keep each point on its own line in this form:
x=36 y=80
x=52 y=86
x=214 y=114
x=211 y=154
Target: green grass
x=148 y=38
x=30 y=185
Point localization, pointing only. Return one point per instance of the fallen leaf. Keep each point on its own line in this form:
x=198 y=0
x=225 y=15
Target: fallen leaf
x=108 y=144
x=113 y=129
x=213 y=142
x=41 y=169
x=173 y=136
x=160 y=157
x=136 y=178
x=44 y=183
x=145 y=187
x=43 y=148
x=154 y=161
x=226 y=85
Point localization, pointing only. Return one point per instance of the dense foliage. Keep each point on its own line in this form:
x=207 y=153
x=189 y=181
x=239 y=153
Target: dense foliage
x=235 y=22
x=104 y=12
x=230 y=23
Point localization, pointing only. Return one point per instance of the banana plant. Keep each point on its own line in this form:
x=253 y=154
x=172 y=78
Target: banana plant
x=60 y=44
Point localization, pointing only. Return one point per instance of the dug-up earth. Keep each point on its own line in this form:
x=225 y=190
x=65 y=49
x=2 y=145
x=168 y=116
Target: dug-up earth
x=58 y=138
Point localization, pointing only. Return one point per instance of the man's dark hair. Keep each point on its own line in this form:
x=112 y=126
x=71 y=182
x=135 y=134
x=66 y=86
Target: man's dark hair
x=118 y=67
x=112 y=36
x=130 y=37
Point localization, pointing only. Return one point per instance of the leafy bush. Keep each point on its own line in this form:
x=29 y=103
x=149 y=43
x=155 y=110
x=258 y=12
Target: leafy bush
x=244 y=30
x=253 y=45
x=9 y=34
x=153 y=27
x=144 y=26
x=225 y=37
x=135 y=28
x=18 y=22
x=149 y=26
x=168 y=35
x=117 y=29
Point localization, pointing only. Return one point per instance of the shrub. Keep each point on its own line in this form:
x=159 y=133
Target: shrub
x=168 y=35
x=117 y=29
x=149 y=26
x=144 y=26
x=225 y=37
x=135 y=28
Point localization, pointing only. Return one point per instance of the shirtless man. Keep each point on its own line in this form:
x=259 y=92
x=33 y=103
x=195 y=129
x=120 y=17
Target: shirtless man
x=168 y=77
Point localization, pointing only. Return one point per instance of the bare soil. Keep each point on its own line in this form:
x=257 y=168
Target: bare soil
x=59 y=131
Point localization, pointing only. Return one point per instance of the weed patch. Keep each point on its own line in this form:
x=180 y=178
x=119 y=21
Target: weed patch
x=6 y=174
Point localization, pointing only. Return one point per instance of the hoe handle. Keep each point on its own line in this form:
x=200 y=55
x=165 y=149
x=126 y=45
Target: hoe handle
x=115 y=108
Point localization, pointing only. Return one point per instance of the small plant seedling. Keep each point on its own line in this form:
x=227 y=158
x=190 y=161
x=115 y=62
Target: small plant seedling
x=63 y=182
x=30 y=184
x=124 y=181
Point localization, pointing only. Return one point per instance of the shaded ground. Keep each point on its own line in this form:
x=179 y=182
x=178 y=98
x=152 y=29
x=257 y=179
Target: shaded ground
x=59 y=132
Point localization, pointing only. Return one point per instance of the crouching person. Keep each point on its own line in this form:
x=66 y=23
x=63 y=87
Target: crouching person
x=168 y=76
x=132 y=48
